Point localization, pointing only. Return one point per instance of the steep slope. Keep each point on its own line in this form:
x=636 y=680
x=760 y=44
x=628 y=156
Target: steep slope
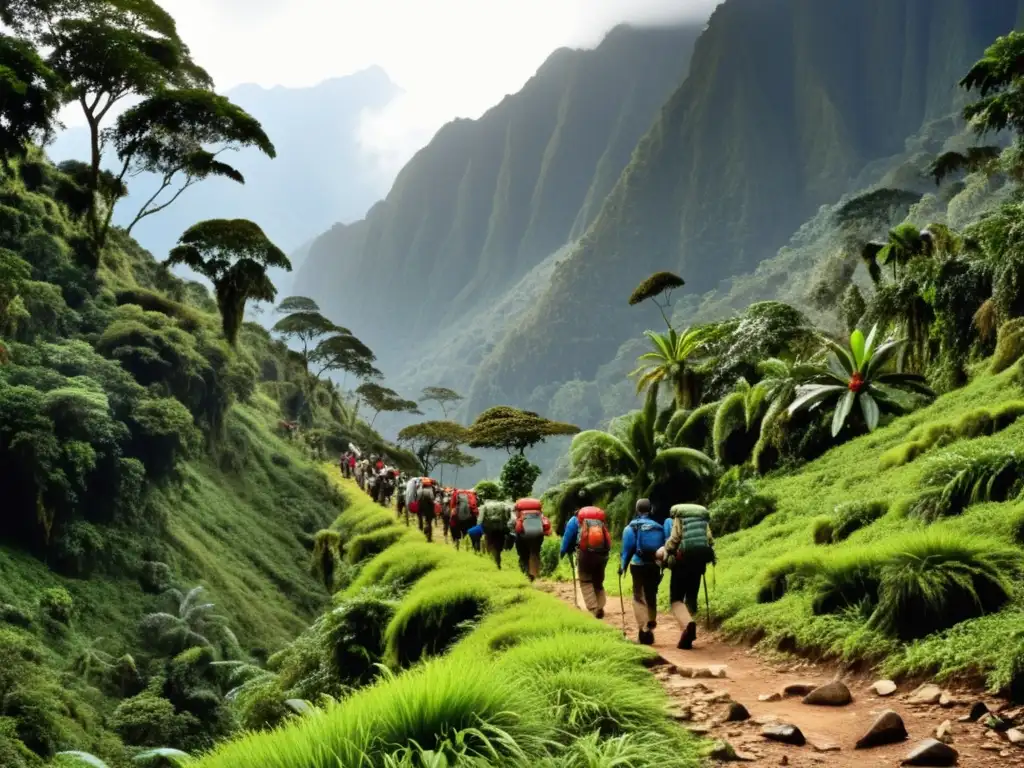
x=787 y=101
x=320 y=175
x=488 y=199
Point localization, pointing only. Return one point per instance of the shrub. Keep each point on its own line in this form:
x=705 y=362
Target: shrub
x=488 y=490
x=57 y=604
x=954 y=481
x=1009 y=345
x=738 y=513
x=155 y=578
x=822 y=530
x=15 y=616
x=150 y=721
x=368 y=545
x=518 y=476
x=400 y=566
x=851 y=516
x=549 y=555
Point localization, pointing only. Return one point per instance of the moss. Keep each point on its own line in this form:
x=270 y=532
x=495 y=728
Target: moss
x=1009 y=345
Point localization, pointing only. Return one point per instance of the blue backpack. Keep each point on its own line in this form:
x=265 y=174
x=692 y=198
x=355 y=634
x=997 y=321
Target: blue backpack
x=650 y=537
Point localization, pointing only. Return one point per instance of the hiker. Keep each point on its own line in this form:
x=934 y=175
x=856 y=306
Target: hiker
x=531 y=528
x=400 y=499
x=688 y=550
x=441 y=511
x=496 y=518
x=476 y=533
x=426 y=506
x=412 y=496
x=586 y=535
x=641 y=540
x=463 y=514
x=343 y=464
x=351 y=464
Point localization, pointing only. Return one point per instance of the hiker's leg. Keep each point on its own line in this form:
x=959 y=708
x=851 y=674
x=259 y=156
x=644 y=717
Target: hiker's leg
x=652 y=580
x=524 y=556
x=677 y=593
x=535 y=558
x=639 y=604
x=692 y=589
x=587 y=588
x=597 y=579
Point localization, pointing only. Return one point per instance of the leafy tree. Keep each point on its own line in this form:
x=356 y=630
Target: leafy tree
x=672 y=361
x=432 y=441
x=514 y=430
x=29 y=98
x=488 y=490
x=193 y=625
x=105 y=51
x=14 y=273
x=857 y=376
x=658 y=289
x=344 y=352
x=456 y=457
x=443 y=396
x=234 y=254
x=181 y=133
x=518 y=477
x=905 y=243
x=381 y=398
x=305 y=326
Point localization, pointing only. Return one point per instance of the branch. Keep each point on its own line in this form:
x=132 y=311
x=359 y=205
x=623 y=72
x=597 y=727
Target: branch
x=143 y=212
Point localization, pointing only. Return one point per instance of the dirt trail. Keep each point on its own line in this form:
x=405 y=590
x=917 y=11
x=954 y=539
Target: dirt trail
x=831 y=732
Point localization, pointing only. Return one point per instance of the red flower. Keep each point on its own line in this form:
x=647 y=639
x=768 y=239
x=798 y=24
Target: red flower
x=856 y=383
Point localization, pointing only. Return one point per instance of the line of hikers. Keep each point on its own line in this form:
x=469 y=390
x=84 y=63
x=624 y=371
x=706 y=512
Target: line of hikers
x=682 y=544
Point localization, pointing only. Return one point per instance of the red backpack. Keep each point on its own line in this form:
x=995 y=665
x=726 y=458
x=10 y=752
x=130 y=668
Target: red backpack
x=530 y=520
x=593 y=536
x=463 y=512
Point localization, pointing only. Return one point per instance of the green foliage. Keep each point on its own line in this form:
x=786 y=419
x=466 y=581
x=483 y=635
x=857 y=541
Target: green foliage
x=854 y=515
x=444 y=397
x=150 y=721
x=512 y=429
x=673 y=361
x=488 y=490
x=30 y=99
x=740 y=512
x=381 y=398
x=517 y=477
x=955 y=480
x=431 y=441
x=56 y=604
x=1009 y=345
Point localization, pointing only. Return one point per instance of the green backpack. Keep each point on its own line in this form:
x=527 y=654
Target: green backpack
x=494 y=517
x=692 y=526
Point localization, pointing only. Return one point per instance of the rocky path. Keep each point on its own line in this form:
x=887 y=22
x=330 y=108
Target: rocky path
x=718 y=679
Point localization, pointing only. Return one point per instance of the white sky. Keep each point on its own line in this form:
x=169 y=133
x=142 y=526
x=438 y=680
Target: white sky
x=453 y=58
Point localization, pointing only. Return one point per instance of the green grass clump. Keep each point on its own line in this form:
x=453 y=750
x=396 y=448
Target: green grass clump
x=366 y=545
x=854 y=515
x=355 y=521
x=1009 y=345
x=737 y=513
x=822 y=530
x=957 y=479
x=400 y=566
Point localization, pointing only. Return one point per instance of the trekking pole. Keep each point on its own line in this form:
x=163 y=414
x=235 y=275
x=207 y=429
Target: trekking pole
x=572 y=566
x=707 y=604
x=622 y=606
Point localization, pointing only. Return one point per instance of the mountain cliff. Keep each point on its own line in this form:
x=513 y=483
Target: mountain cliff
x=489 y=199
x=787 y=102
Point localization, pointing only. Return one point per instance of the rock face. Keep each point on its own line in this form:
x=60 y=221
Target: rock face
x=884 y=688
x=785 y=734
x=932 y=753
x=887 y=729
x=926 y=694
x=834 y=694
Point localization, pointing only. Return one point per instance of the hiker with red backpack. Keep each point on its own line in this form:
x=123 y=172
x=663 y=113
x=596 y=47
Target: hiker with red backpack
x=463 y=514
x=689 y=549
x=531 y=528
x=586 y=535
x=425 y=506
x=642 y=540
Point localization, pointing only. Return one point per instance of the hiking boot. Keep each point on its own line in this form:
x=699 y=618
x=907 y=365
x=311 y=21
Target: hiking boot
x=646 y=637
x=687 y=638
x=599 y=613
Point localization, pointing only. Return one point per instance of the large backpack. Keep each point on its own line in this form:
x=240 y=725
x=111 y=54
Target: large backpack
x=593 y=537
x=464 y=503
x=650 y=537
x=530 y=524
x=691 y=528
x=495 y=517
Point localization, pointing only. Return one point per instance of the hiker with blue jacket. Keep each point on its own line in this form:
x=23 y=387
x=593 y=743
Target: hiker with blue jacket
x=641 y=541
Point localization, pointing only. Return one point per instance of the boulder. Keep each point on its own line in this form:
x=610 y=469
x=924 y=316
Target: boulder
x=1016 y=736
x=770 y=697
x=737 y=713
x=884 y=688
x=798 y=689
x=724 y=752
x=931 y=752
x=784 y=733
x=926 y=694
x=888 y=728
x=944 y=732
x=834 y=694
x=978 y=711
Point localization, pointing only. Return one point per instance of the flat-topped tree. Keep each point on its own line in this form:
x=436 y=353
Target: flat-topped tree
x=433 y=442
x=514 y=430
x=658 y=289
x=381 y=398
x=29 y=98
x=234 y=254
x=304 y=325
x=345 y=352
x=443 y=396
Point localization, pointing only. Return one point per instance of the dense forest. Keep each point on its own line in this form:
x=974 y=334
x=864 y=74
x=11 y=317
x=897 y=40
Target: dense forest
x=186 y=575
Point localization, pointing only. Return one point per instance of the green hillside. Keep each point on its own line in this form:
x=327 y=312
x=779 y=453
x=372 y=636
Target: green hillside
x=784 y=107
x=488 y=199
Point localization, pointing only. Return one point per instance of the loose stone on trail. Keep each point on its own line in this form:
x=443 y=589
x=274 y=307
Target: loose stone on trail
x=932 y=753
x=834 y=694
x=887 y=729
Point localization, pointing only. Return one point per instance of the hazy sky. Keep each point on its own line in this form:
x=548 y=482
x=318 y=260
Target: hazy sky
x=453 y=58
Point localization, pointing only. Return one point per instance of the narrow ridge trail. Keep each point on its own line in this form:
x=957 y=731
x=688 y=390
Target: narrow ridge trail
x=831 y=732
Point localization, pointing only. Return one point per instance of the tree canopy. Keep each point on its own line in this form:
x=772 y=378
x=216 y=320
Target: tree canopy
x=234 y=254
x=345 y=352
x=381 y=398
x=443 y=396
x=513 y=429
x=304 y=326
x=435 y=443
x=29 y=98
x=660 y=284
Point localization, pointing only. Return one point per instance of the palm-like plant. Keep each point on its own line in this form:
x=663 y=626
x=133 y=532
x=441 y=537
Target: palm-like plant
x=193 y=625
x=858 y=376
x=630 y=452
x=905 y=243
x=672 y=361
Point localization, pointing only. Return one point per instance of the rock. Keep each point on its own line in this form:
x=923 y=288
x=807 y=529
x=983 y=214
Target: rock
x=946 y=700
x=926 y=694
x=991 y=747
x=884 y=688
x=737 y=713
x=944 y=732
x=681 y=714
x=770 y=697
x=1016 y=736
x=718 y=697
x=765 y=720
x=724 y=752
x=798 y=689
x=824 y=746
x=698 y=730
x=718 y=671
x=1005 y=753
x=784 y=760
x=784 y=733
x=887 y=729
x=978 y=711
x=932 y=753
x=834 y=694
